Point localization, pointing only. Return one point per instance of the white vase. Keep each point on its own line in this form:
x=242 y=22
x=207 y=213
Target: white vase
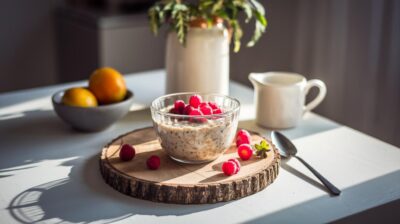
x=202 y=65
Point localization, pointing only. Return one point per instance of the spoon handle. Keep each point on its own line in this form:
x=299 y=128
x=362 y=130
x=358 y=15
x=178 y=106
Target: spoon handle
x=334 y=190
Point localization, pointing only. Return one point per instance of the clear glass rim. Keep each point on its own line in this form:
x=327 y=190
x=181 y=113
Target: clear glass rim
x=225 y=113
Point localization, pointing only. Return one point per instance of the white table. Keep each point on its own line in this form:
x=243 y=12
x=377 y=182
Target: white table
x=49 y=173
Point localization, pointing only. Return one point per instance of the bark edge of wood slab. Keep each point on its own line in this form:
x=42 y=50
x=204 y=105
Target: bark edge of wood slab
x=180 y=183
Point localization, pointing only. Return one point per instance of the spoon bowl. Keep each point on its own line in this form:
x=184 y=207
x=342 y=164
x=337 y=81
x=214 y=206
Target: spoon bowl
x=285 y=147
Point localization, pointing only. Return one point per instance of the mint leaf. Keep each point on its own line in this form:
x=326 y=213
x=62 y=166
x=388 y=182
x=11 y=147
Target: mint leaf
x=262 y=149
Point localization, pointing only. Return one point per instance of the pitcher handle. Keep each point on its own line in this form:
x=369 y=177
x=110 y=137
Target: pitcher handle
x=318 y=99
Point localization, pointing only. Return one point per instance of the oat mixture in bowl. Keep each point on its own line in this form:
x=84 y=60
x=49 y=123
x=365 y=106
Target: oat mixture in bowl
x=195 y=127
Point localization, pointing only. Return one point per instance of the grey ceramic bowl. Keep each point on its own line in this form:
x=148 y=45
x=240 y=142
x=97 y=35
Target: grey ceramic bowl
x=91 y=118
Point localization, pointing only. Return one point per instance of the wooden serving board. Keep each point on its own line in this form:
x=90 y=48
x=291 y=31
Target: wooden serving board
x=179 y=183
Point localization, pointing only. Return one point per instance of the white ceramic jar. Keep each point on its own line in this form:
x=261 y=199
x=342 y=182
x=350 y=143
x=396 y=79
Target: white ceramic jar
x=200 y=66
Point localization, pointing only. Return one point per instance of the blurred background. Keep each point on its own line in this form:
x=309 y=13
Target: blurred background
x=352 y=45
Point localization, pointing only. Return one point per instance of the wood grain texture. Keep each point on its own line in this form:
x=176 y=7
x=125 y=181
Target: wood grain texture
x=181 y=183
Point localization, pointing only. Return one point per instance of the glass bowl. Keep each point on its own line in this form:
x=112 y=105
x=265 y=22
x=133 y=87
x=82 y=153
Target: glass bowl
x=195 y=139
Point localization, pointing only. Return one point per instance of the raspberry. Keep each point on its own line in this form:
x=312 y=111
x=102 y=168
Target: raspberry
x=242 y=137
x=213 y=105
x=179 y=106
x=195 y=112
x=173 y=111
x=237 y=164
x=229 y=168
x=187 y=109
x=217 y=111
x=206 y=110
x=127 y=152
x=195 y=101
x=245 y=152
x=203 y=104
x=153 y=162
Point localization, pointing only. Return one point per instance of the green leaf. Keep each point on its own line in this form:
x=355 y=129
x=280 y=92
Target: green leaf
x=247 y=10
x=261 y=24
x=169 y=6
x=180 y=7
x=264 y=144
x=233 y=10
x=180 y=21
x=260 y=18
x=154 y=18
x=262 y=149
x=205 y=4
x=237 y=35
x=223 y=15
x=217 y=6
x=258 y=7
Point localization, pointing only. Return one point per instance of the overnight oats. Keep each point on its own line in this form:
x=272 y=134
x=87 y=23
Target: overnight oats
x=195 y=128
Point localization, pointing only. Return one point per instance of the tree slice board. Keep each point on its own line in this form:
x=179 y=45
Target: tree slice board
x=180 y=183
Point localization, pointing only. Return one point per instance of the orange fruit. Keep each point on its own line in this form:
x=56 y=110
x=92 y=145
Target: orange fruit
x=108 y=85
x=79 y=97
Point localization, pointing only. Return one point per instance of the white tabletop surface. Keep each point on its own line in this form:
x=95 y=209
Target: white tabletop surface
x=49 y=172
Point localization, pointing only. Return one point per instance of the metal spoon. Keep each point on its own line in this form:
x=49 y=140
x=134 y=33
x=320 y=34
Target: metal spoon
x=287 y=149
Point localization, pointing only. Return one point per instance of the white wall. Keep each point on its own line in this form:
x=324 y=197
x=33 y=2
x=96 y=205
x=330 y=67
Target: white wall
x=354 y=46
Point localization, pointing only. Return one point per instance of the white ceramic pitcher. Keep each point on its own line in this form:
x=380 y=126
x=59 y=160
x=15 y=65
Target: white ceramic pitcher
x=280 y=98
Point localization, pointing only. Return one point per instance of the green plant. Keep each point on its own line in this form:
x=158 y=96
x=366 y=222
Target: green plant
x=178 y=14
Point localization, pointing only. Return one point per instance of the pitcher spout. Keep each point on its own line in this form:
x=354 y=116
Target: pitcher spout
x=256 y=79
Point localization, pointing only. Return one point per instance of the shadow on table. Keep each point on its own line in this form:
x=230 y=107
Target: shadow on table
x=84 y=197
x=327 y=208
x=40 y=128
x=292 y=170
x=44 y=132
x=308 y=126
x=380 y=214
